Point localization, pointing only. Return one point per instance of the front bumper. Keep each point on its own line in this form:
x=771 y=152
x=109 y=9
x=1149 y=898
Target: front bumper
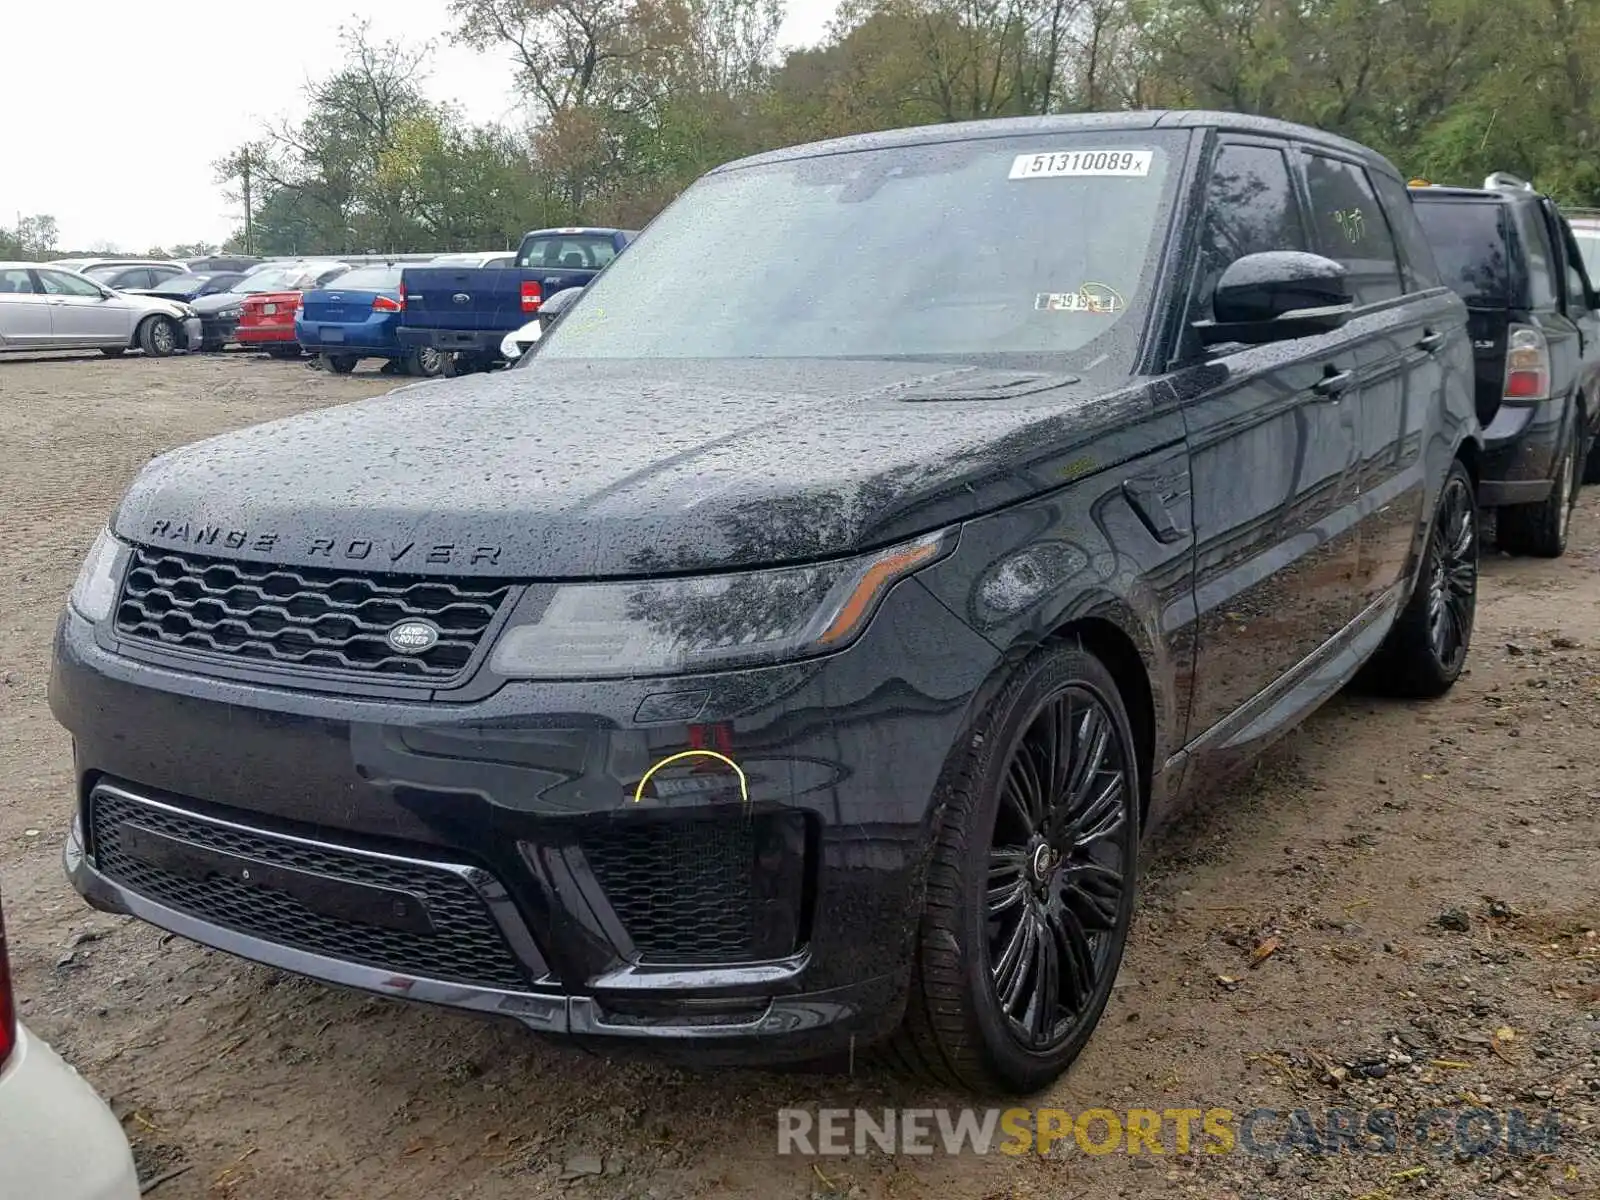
x=192 y=336
x=1521 y=446
x=217 y=330
x=607 y=913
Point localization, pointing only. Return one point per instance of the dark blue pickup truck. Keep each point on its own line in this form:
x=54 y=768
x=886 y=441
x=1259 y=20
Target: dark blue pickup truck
x=467 y=311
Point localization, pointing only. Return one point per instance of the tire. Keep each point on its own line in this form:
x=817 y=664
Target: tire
x=212 y=347
x=283 y=351
x=1541 y=529
x=1427 y=647
x=425 y=363
x=340 y=364
x=113 y=351
x=158 y=337
x=1077 y=890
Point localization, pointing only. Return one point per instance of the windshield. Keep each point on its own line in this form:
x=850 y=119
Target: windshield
x=105 y=269
x=568 y=252
x=1032 y=246
x=275 y=280
x=283 y=279
x=181 y=284
x=369 y=279
x=1469 y=242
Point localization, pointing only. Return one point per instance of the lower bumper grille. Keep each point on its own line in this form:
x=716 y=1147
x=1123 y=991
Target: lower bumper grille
x=462 y=945
x=706 y=891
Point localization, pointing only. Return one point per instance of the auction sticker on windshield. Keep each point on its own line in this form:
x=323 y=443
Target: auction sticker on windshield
x=1081 y=162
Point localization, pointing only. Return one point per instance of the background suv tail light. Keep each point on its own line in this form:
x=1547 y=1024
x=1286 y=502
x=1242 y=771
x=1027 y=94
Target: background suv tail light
x=8 y=1008
x=384 y=304
x=1527 y=364
x=532 y=296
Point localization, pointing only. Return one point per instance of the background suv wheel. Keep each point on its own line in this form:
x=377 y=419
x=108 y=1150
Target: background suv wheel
x=1541 y=529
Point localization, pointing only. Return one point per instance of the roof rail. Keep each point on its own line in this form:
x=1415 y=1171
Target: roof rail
x=1505 y=180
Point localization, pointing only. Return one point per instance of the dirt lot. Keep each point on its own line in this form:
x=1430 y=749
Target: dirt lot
x=1329 y=871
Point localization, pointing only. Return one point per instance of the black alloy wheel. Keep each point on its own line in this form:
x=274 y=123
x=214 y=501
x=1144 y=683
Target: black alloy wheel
x=1426 y=647
x=1058 y=867
x=1030 y=890
x=1452 y=574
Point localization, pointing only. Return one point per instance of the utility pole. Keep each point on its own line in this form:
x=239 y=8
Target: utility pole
x=249 y=220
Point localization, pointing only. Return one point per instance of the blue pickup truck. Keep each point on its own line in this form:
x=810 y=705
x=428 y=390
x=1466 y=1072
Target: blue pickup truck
x=465 y=312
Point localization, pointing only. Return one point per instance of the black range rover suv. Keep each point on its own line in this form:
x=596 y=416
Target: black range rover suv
x=1536 y=340
x=804 y=668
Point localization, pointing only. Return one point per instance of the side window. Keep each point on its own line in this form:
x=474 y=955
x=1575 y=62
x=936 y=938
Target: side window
x=1543 y=284
x=1250 y=208
x=1578 y=282
x=139 y=277
x=59 y=283
x=1418 y=266
x=157 y=274
x=1351 y=228
x=15 y=281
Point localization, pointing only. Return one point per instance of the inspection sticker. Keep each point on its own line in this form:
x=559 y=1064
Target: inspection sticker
x=1081 y=162
x=1090 y=298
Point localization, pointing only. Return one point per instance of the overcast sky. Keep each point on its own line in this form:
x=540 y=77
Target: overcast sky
x=113 y=131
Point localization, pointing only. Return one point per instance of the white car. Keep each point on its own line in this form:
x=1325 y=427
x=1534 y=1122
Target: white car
x=57 y=1138
x=516 y=343
x=43 y=307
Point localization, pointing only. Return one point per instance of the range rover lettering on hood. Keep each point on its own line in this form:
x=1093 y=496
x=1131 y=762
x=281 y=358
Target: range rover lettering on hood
x=576 y=470
x=375 y=551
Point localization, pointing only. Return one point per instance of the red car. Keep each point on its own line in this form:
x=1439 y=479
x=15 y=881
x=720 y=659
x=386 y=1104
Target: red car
x=266 y=319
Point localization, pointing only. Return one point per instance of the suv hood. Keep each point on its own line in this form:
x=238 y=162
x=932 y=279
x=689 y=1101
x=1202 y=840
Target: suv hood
x=580 y=469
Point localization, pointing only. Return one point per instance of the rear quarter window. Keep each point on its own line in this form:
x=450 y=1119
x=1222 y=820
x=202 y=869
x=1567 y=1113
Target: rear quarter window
x=1469 y=240
x=1351 y=228
x=1418 y=266
x=1543 y=284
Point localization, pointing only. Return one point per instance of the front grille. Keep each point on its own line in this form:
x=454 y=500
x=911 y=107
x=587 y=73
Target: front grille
x=307 y=617
x=683 y=889
x=466 y=947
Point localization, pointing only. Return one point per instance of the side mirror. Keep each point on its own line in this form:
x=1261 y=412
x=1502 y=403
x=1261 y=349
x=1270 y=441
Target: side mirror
x=550 y=311
x=1275 y=296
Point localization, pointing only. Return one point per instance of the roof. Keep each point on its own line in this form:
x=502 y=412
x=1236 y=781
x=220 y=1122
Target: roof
x=576 y=230
x=1139 y=119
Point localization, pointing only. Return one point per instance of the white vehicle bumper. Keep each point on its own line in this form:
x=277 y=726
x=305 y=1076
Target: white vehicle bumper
x=57 y=1138
x=516 y=343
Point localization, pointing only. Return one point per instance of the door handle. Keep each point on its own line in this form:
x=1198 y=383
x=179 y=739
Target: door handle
x=1430 y=341
x=1334 y=384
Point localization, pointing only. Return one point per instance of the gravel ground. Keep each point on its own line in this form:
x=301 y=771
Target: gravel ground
x=1398 y=911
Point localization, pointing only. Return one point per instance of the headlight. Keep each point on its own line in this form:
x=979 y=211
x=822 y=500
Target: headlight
x=681 y=626
x=228 y=314
x=95 y=591
x=186 y=311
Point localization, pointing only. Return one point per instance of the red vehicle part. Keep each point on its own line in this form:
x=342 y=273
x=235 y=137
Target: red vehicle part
x=267 y=318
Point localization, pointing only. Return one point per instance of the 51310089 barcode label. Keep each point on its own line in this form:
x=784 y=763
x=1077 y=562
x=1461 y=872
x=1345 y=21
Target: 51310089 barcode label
x=1057 y=163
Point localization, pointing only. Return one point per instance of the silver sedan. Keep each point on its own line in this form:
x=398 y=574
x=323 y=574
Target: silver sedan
x=47 y=308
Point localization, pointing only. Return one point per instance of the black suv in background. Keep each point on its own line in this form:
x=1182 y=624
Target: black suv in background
x=1536 y=340
x=803 y=667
